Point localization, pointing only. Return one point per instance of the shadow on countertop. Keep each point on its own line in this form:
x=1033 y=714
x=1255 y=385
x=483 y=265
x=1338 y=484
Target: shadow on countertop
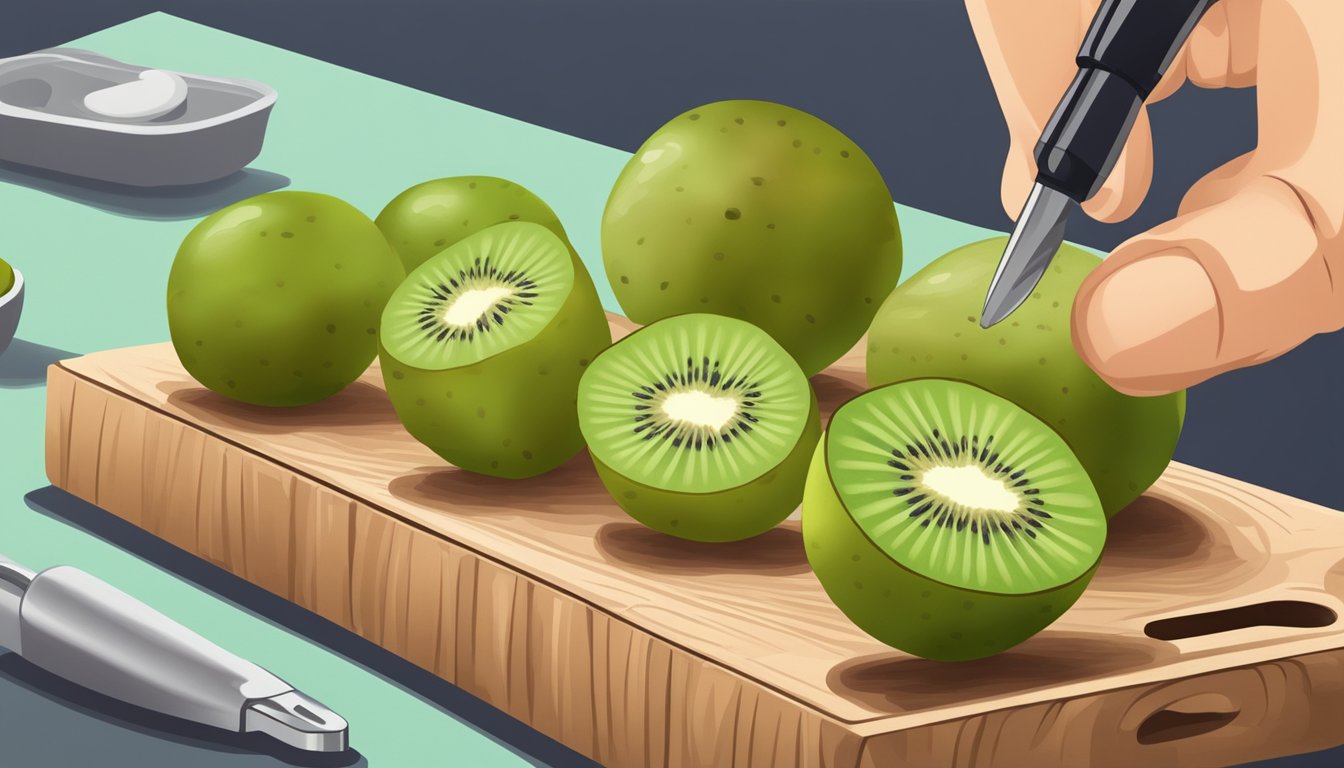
x=507 y=731
x=157 y=203
x=24 y=363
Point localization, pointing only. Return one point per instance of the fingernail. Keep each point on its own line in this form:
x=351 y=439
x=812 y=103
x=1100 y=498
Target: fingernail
x=1153 y=318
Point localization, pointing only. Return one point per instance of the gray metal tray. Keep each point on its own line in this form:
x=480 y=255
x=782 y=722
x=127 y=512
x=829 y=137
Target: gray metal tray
x=218 y=130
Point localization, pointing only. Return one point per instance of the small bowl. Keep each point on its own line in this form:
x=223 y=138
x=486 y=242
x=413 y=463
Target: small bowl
x=11 y=305
x=217 y=131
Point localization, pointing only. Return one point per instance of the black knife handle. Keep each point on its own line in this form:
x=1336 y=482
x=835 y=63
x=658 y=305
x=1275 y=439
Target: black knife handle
x=1127 y=50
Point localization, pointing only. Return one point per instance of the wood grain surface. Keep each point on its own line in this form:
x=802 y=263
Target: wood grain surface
x=1208 y=637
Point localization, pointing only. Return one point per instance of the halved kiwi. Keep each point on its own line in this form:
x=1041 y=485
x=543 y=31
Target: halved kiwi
x=700 y=426
x=946 y=521
x=482 y=347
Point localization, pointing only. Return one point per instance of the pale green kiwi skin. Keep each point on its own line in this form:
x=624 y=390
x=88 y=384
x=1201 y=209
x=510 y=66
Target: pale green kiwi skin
x=732 y=218
x=903 y=609
x=735 y=514
x=276 y=300
x=513 y=415
x=425 y=219
x=929 y=327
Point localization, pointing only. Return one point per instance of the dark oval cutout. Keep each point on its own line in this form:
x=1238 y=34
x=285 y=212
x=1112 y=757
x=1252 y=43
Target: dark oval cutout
x=1277 y=613
x=1167 y=725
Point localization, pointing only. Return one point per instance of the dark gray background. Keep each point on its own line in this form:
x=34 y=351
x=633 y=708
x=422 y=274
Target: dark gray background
x=903 y=78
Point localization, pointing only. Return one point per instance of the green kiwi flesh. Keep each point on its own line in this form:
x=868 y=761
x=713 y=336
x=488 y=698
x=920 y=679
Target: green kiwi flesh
x=947 y=522
x=482 y=347
x=700 y=426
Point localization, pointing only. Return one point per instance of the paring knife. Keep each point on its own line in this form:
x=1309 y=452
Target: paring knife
x=1127 y=50
x=80 y=628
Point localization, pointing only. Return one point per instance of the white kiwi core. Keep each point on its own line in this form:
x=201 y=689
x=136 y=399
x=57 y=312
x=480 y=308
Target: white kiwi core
x=472 y=305
x=970 y=486
x=698 y=408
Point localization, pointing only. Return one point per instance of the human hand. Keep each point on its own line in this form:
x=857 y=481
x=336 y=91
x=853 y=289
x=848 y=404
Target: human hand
x=1253 y=263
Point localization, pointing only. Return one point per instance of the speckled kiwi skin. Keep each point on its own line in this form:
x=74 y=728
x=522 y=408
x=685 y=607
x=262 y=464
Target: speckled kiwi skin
x=908 y=611
x=756 y=211
x=513 y=415
x=425 y=219
x=738 y=513
x=929 y=327
x=276 y=300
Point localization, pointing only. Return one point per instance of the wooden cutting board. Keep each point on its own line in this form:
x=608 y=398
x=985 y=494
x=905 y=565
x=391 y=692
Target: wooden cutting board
x=1208 y=637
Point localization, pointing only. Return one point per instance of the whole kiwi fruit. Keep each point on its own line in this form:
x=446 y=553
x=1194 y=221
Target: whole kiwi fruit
x=757 y=211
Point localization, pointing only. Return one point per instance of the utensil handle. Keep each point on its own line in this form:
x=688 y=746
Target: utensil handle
x=84 y=630
x=1127 y=50
x=1138 y=39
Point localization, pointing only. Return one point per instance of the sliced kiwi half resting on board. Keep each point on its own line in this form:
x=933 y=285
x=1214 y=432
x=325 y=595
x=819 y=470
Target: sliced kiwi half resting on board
x=482 y=347
x=947 y=522
x=700 y=426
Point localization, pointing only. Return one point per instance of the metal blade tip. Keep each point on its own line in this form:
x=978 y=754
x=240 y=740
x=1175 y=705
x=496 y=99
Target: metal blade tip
x=1035 y=240
x=298 y=721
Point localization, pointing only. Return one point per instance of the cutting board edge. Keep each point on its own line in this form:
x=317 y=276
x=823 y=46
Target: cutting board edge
x=876 y=727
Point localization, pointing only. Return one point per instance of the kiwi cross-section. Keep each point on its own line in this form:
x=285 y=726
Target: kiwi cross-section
x=947 y=522
x=482 y=347
x=700 y=426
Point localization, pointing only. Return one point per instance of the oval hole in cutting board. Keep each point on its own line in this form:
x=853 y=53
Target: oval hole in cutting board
x=1277 y=613
x=1186 y=719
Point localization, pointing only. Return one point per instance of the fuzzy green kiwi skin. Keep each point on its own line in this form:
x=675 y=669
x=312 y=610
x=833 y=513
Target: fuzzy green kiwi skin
x=276 y=300
x=929 y=327
x=734 y=514
x=513 y=415
x=432 y=215
x=904 y=609
x=757 y=211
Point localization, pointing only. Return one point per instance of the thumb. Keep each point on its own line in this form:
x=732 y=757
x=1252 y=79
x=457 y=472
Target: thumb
x=1222 y=287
